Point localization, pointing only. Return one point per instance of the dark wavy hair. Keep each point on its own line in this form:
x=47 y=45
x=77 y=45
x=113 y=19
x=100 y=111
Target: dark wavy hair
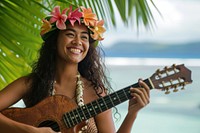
x=91 y=67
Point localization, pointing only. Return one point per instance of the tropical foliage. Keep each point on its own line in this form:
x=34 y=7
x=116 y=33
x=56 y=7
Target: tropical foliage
x=20 y=22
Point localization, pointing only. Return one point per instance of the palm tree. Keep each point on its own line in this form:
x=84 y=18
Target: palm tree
x=20 y=22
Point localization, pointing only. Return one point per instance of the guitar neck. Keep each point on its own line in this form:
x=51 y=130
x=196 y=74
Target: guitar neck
x=100 y=105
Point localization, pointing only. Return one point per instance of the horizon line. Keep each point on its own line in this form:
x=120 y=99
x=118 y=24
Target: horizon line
x=126 y=61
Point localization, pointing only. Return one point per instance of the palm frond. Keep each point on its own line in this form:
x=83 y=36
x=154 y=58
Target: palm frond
x=20 y=22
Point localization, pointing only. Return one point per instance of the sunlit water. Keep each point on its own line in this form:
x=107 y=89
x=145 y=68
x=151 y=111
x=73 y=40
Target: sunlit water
x=173 y=113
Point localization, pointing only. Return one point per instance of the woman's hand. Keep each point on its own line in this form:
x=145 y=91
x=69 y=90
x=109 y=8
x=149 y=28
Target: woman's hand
x=140 y=98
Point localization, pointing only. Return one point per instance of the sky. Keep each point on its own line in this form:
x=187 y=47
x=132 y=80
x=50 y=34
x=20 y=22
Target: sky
x=179 y=23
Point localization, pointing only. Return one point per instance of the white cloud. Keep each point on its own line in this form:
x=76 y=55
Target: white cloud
x=179 y=24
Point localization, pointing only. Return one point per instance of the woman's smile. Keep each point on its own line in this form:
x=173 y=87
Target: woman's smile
x=75 y=50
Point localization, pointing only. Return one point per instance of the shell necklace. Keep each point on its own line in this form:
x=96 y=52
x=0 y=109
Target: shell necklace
x=79 y=93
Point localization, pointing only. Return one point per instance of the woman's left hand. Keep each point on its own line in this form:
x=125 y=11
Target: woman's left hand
x=141 y=97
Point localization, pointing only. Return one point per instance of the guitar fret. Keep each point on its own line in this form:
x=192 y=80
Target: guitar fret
x=118 y=98
x=108 y=100
x=111 y=101
x=102 y=104
x=97 y=103
x=125 y=94
x=77 y=115
x=93 y=109
x=128 y=92
x=72 y=117
x=82 y=114
x=89 y=107
x=87 y=113
x=121 y=96
x=115 y=99
x=105 y=102
x=69 y=118
x=66 y=120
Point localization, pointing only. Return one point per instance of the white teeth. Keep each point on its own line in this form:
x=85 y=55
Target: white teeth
x=75 y=50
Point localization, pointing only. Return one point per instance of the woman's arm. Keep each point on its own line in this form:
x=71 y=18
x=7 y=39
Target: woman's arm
x=105 y=122
x=140 y=99
x=13 y=93
x=10 y=95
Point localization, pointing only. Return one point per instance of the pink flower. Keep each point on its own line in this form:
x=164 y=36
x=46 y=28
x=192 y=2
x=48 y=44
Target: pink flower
x=74 y=15
x=59 y=18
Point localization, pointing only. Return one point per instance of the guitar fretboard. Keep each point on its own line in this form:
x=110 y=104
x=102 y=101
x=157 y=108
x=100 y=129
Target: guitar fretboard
x=102 y=104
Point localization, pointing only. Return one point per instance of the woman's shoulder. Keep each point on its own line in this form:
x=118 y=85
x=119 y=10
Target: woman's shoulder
x=14 y=92
x=21 y=83
x=24 y=81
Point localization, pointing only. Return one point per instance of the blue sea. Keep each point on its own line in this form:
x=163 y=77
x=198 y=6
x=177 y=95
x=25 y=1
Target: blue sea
x=172 y=113
x=177 y=112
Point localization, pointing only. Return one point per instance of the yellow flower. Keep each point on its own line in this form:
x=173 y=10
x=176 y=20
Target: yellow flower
x=46 y=27
x=89 y=18
x=98 y=30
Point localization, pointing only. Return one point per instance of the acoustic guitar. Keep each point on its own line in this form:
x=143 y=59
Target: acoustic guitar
x=62 y=114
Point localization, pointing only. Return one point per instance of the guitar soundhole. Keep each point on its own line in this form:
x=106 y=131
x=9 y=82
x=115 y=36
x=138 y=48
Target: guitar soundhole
x=54 y=125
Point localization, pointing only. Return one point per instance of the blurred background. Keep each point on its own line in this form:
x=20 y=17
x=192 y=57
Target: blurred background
x=174 y=40
x=141 y=37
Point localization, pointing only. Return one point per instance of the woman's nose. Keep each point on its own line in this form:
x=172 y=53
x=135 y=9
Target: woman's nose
x=77 y=41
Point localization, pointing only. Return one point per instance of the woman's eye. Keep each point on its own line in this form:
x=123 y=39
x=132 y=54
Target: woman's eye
x=70 y=35
x=84 y=37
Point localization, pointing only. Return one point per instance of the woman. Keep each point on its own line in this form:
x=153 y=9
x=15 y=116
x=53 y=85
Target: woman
x=69 y=65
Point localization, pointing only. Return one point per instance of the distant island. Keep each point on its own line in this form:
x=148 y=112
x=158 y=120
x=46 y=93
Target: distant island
x=153 y=50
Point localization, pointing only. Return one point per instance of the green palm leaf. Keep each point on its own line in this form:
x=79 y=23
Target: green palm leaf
x=20 y=22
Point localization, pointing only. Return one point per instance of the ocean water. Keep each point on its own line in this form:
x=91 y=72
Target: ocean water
x=177 y=112
x=173 y=113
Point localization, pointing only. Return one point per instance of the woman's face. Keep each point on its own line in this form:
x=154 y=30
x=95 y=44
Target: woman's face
x=73 y=43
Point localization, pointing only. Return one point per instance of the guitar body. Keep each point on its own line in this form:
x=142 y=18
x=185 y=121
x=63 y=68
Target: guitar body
x=48 y=113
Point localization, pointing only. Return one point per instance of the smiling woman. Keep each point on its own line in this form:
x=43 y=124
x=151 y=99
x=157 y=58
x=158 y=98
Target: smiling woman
x=75 y=51
x=19 y=44
x=69 y=74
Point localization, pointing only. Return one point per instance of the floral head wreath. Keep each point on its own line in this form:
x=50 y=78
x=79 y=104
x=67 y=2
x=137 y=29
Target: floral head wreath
x=57 y=20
